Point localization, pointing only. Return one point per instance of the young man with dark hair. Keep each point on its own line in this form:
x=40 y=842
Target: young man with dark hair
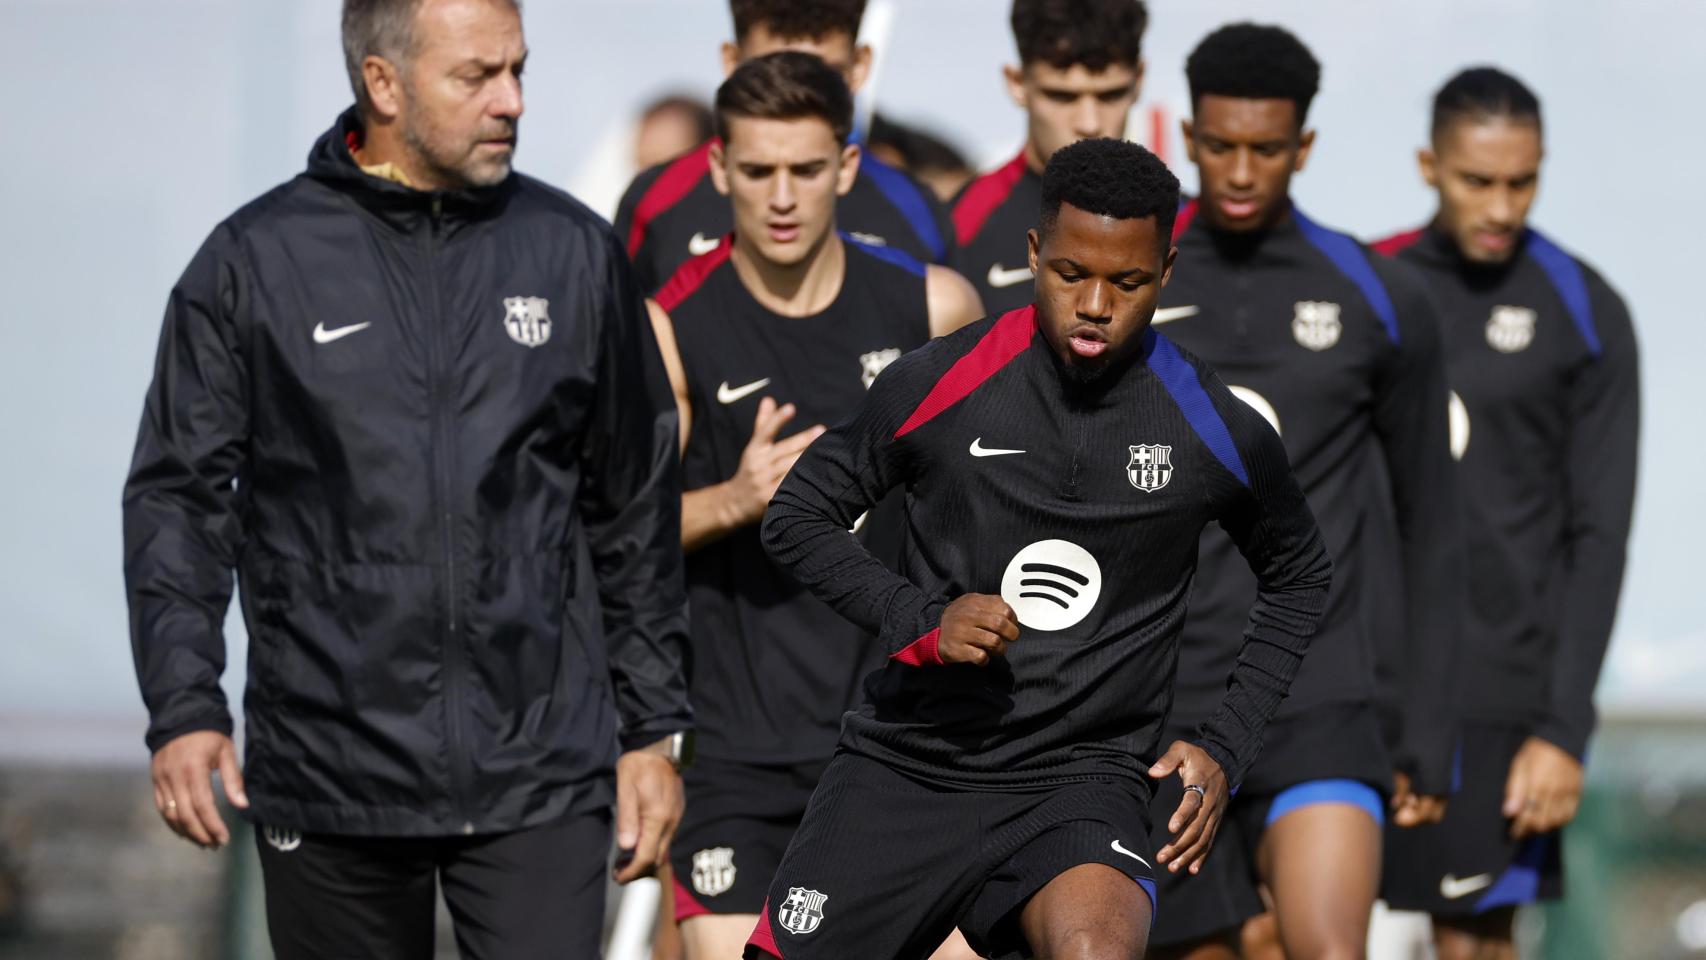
x=1339 y=350
x=411 y=398
x=672 y=213
x=1059 y=463
x=1079 y=73
x=786 y=323
x=1545 y=418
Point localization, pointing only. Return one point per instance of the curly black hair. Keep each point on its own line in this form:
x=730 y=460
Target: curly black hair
x=1481 y=93
x=1110 y=178
x=1095 y=33
x=797 y=19
x=786 y=85
x=1255 y=62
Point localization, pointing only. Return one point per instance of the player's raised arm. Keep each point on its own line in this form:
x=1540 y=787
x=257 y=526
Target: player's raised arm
x=1410 y=416
x=807 y=528
x=1271 y=523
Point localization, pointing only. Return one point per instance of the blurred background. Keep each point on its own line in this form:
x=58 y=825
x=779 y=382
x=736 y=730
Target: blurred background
x=131 y=128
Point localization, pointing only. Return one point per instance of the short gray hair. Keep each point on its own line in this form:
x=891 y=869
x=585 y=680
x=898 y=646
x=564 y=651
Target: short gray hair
x=382 y=28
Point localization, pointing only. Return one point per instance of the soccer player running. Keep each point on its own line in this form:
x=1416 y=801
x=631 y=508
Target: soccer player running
x=672 y=212
x=1079 y=73
x=1059 y=463
x=1541 y=356
x=1339 y=349
x=786 y=308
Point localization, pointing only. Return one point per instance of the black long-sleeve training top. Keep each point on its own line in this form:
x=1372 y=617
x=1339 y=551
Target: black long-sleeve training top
x=1340 y=350
x=1082 y=505
x=432 y=434
x=1541 y=355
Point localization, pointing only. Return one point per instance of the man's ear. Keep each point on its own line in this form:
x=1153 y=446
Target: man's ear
x=1033 y=245
x=1189 y=134
x=1167 y=267
x=1428 y=163
x=861 y=69
x=1137 y=89
x=384 y=87
x=1305 y=140
x=849 y=171
x=731 y=57
x=1015 y=79
x=714 y=160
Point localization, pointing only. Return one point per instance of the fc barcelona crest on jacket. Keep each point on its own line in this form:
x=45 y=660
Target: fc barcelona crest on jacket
x=1510 y=329
x=714 y=871
x=802 y=911
x=528 y=320
x=1150 y=468
x=1315 y=323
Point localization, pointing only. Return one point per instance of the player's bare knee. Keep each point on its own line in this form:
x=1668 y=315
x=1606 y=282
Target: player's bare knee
x=1089 y=944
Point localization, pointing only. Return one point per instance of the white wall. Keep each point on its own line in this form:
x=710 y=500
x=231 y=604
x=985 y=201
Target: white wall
x=131 y=127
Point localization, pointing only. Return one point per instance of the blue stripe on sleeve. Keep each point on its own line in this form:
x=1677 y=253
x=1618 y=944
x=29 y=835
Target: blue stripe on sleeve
x=894 y=255
x=1567 y=278
x=1180 y=379
x=908 y=200
x=1348 y=256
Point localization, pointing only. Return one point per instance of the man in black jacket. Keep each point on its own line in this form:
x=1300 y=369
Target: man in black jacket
x=413 y=399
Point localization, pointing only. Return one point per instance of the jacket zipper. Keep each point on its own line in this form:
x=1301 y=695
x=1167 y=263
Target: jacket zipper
x=442 y=436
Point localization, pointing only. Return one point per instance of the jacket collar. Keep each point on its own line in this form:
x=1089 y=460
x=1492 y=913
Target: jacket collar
x=405 y=208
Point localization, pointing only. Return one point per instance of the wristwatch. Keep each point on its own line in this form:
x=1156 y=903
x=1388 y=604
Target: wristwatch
x=679 y=747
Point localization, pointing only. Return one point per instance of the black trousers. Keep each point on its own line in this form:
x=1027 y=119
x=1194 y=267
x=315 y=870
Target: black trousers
x=532 y=893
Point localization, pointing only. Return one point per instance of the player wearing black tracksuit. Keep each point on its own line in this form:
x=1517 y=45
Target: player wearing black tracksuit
x=431 y=433
x=959 y=792
x=1541 y=356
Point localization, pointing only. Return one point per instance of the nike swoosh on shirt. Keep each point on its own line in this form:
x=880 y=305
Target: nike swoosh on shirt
x=1169 y=314
x=1120 y=849
x=699 y=244
x=1452 y=888
x=727 y=394
x=999 y=277
x=979 y=450
x=322 y=335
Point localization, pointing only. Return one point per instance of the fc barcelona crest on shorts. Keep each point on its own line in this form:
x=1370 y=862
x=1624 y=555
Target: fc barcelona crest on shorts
x=1150 y=468
x=1315 y=323
x=802 y=911
x=528 y=320
x=714 y=871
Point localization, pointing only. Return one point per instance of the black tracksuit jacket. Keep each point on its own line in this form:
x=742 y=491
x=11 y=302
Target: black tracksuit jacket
x=432 y=435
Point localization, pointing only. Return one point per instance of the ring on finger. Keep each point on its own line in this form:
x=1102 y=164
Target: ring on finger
x=1197 y=789
x=171 y=804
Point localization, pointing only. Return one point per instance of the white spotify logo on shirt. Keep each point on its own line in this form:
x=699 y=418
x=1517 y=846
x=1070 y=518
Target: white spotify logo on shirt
x=1051 y=584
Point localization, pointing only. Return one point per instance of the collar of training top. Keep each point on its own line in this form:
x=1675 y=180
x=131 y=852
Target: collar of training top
x=332 y=163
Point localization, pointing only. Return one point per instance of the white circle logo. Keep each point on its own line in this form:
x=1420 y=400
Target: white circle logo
x=1052 y=584
x=1256 y=402
x=1458 y=416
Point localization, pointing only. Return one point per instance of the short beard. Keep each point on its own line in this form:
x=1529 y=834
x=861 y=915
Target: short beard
x=421 y=138
x=1084 y=374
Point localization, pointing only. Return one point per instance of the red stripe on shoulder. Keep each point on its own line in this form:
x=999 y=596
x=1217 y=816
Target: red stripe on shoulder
x=691 y=275
x=762 y=936
x=677 y=181
x=1398 y=242
x=1182 y=219
x=983 y=196
x=1005 y=340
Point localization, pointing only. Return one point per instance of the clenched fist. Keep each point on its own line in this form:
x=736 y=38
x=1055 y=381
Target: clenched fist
x=975 y=628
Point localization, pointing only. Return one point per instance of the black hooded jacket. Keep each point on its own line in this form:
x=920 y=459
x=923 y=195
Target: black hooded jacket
x=432 y=435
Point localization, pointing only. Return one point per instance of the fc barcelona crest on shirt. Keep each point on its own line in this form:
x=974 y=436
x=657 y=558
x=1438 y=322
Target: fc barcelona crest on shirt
x=528 y=320
x=1510 y=329
x=873 y=363
x=802 y=912
x=1150 y=468
x=714 y=871
x=1315 y=323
